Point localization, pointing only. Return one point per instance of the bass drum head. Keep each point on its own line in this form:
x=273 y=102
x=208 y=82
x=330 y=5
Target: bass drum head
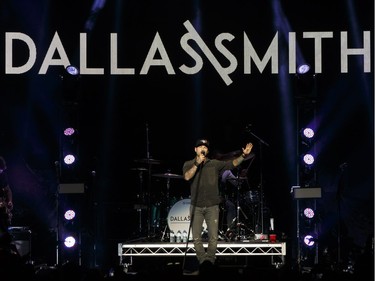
x=179 y=217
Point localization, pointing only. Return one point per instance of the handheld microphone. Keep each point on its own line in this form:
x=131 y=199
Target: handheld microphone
x=203 y=153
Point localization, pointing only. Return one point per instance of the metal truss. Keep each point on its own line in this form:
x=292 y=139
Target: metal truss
x=223 y=249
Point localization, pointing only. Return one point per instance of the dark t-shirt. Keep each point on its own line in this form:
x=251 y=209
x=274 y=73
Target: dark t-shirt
x=204 y=186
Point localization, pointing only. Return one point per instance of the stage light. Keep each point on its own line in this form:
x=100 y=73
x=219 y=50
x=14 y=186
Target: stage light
x=309 y=213
x=308 y=159
x=72 y=70
x=303 y=68
x=69 y=241
x=69 y=131
x=309 y=240
x=69 y=215
x=307 y=133
x=69 y=159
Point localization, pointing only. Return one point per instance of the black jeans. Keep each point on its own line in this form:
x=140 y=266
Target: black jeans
x=211 y=216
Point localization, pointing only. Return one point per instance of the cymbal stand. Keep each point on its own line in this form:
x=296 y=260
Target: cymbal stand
x=239 y=209
x=149 y=181
x=141 y=200
x=148 y=160
x=168 y=207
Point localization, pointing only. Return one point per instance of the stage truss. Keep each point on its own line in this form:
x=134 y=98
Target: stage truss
x=223 y=249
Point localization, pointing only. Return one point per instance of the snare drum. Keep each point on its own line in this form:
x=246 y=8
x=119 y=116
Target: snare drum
x=179 y=217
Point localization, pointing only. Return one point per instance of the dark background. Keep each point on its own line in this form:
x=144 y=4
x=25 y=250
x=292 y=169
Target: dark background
x=125 y=118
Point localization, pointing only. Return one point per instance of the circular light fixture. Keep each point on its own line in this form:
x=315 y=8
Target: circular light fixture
x=308 y=133
x=69 y=241
x=69 y=215
x=308 y=159
x=303 y=68
x=69 y=131
x=309 y=213
x=72 y=70
x=69 y=159
x=309 y=240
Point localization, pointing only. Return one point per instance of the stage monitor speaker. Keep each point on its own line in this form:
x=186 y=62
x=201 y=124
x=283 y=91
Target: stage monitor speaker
x=21 y=239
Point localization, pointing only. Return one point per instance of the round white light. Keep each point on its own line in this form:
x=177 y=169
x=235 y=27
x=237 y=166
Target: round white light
x=309 y=240
x=69 y=159
x=308 y=133
x=69 y=215
x=308 y=159
x=304 y=68
x=309 y=213
x=69 y=241
x=72 y=70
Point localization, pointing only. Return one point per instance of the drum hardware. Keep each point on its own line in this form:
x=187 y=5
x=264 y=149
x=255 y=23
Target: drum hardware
x=168 y=176
x=139 y=169
x=148 y=161
x=243 y=231
x=156 y=216
x=261 y=143
x=140 y=205
x=240 y=226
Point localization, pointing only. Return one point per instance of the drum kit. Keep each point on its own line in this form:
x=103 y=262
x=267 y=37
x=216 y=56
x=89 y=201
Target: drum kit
x=155 y=202
x=166 y=213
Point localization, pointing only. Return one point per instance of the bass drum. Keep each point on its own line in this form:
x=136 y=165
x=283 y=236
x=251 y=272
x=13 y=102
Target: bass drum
x=179 y=217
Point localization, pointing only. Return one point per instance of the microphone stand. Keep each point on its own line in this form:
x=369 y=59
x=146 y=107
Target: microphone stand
x=261 y=142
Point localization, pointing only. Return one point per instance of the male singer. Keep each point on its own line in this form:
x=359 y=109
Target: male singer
x=203 y=176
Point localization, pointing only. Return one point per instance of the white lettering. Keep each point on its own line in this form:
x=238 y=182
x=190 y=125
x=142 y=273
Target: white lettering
x=9 y=68
x=317 y=36
x=55 y=45
x=197 y=58
x=292 y=52
x=83 y=57
x=157 y=45
x=202 y=45
x=271 y=53
x=114 y=68
x=222 y=49
x=158 y=55
x=345 y=52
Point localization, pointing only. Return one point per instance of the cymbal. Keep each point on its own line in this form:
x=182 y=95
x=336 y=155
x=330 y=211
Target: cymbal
x=168 y=175
x=148 y=161
x=139 y=169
